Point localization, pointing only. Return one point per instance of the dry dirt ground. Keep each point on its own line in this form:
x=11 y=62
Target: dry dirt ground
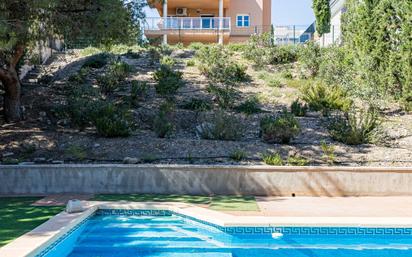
x=43 y=138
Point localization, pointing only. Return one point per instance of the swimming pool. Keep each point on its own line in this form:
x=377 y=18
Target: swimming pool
x=121 y=233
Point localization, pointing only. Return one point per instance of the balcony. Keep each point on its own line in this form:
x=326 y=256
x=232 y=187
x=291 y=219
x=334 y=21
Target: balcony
x=186 y=24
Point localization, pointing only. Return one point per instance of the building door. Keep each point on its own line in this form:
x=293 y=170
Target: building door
x=207 y=21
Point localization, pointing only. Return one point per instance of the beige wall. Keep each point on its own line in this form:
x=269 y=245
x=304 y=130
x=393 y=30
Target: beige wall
x=260 y=16
x=260 y=12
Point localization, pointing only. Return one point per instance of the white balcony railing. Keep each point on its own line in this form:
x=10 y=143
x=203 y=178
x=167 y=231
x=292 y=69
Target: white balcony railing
x=187 y=23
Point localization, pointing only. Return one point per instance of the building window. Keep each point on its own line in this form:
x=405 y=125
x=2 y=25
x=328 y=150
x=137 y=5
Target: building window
x=242 y=20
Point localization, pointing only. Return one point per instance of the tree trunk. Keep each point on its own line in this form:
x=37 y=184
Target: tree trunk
x=12 y=88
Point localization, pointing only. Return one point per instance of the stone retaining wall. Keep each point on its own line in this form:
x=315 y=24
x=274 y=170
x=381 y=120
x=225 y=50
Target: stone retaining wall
x=205 y=180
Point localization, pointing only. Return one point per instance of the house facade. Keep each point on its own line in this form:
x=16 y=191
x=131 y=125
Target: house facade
x=208 y=21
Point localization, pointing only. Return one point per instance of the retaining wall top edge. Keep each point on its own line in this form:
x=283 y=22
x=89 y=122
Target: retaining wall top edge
x=253 y=168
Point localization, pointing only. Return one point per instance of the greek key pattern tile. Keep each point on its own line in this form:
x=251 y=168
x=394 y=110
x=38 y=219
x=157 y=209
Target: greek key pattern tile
x=118 y=212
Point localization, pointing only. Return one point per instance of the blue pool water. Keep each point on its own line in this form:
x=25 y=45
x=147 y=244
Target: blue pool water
x=170 y=235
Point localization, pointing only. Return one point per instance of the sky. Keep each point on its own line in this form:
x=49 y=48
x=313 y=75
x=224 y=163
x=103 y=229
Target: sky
x=284 y=12
x=292 y=12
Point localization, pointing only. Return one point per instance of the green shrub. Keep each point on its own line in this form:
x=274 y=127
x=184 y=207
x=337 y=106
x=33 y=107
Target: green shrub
x=165 y=49
x=328 y=152
x=162 y=124
x=113 y=121
x=406 y=103
x=80 y=76
x=168 y=61
x=138 y=90
x=111 y=80
x=77 y=152
x=196 y=46
x=237 y=47
x=221 y=127
x=168 y=80
x=281 y=54
x=216 y=63
x=323 y=98
x=261 y=50
x=336 y=68
x=190 y=63
x=107 y=83
x=279 y=129
x=96 y=61
x=154 y=54
x=258 y=49
x=120 y=70
x=82 y=102
x=286 y=74
x=297 y=161
x=238 y=155
x=298 y=108
x=250 y=106
x=310 y=57
x=224 y=96
x=354 y=127
x=273 y=159
x=382 y=53
x=198 y=105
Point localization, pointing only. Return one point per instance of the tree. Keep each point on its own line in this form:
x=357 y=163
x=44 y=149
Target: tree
x=378 y=33
x=26 y=23
x=321 y=9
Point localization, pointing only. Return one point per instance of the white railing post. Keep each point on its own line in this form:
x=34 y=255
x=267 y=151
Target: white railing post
x=220 y=29
x=165 y=21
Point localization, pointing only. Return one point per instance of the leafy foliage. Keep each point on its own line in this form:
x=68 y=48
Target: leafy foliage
x=168 y=80
x=163 y=124
x=322 y=12
x=262 y=51
x=138 y=91
x=298 y=108
x=224 y=96
x=198 y=105
x=82 y=102
x=250 y=106
x=279 y=129
x=378 y=34
x=168 y=61
x=297 y=161
x=238 y=155
x=328 y=152
x=309 y=57
x=325 y=99
x=354 y=127
x=216 y=63
x=222 y=126
x=112 y=121
x=274 y=159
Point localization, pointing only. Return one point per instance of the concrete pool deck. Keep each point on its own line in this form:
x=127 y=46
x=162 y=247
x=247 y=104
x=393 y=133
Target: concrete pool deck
x=332 y=207
x=276 y=212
